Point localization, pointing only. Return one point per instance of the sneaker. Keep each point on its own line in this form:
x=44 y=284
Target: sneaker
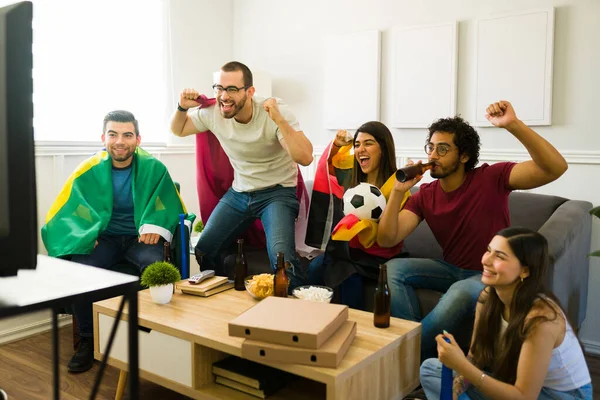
x=83 y=359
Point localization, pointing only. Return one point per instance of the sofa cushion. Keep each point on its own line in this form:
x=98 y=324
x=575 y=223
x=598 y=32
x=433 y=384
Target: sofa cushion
x=532 y=210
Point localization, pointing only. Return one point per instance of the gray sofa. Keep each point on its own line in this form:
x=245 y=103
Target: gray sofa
x=566 y=224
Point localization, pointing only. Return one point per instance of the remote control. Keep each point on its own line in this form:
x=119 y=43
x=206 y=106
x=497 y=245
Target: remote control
x=203 y=275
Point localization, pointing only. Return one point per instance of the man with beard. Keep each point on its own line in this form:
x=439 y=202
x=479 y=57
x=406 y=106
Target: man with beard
x=464 y=208
x=118 y=205
x=264 y=143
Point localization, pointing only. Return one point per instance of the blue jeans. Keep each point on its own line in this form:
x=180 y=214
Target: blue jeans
x=351 y=289
x=461 y=287
x=110 y=251
x=431 y=380
x=277 y=208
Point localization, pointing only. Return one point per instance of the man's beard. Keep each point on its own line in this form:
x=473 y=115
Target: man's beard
x=123 y=157
x=444 y=173
x=237 y=106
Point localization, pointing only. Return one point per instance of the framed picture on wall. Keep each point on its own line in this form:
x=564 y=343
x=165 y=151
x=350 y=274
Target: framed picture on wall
x=514 y=60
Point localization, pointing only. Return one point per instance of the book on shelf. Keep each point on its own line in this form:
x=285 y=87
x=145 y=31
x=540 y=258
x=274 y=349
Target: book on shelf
x=250 y=373
x=262 y=393
x=211 y=286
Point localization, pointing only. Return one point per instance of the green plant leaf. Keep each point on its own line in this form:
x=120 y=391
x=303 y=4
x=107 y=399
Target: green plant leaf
x=160 y=273
x=595 y=211
x=199 y=227
x=594 y=254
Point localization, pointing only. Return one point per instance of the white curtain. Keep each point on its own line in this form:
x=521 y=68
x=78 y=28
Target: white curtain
x=92 y=57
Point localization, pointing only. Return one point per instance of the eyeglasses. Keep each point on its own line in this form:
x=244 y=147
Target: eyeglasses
x=231 y=90
x=441 y=149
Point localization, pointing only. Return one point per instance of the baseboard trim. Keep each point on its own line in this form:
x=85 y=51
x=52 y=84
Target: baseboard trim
x=591 y=347
x=23 y=331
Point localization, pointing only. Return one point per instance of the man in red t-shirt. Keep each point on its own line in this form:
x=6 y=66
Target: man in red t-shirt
x=464 y=208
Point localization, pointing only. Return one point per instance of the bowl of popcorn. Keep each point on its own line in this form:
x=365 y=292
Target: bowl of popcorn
x=316 y=293
x=259 y=286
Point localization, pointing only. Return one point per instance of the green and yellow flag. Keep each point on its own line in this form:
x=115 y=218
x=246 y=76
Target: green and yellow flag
x=83 y=208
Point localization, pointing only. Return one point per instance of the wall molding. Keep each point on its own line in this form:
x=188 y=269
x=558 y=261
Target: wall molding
x=572 y=156
x=22 y=331
x=51 y=149
x=591 y=347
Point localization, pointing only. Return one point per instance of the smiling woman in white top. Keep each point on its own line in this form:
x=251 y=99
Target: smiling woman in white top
x=523 y=347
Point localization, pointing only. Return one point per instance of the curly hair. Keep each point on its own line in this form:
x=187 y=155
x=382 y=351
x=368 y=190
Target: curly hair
x=465 y=137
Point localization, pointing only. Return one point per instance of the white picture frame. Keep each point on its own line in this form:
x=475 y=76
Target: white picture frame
x=351 y=79
x=514 y=62
x=424 y=74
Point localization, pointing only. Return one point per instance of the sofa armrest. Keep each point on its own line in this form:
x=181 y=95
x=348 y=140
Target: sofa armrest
x=568 y=232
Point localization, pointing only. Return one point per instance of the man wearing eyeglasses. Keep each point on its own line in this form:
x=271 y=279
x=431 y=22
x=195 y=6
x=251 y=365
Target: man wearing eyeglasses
x=464 y=207
x=264 y=143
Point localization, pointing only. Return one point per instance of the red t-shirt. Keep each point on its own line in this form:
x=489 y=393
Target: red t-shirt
x=466 y=219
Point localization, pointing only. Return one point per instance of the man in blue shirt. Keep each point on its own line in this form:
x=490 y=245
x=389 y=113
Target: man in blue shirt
x=102 y=226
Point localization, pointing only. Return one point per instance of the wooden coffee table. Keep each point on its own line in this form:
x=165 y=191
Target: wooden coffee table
x=179 y=342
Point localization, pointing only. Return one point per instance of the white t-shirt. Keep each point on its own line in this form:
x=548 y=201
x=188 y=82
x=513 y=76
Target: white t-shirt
x=258 y=159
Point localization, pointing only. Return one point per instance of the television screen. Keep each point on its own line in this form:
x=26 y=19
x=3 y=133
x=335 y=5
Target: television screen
x=18 y=210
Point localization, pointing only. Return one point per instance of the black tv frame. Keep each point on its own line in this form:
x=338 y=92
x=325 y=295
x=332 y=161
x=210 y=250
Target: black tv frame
x=18 y=241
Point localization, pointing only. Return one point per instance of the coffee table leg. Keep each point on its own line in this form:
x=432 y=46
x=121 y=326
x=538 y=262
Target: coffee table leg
x=121 y=385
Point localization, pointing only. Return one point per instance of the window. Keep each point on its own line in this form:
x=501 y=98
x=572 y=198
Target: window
x=90 y=58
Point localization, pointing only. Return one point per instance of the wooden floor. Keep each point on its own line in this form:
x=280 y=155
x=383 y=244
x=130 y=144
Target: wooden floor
x=26 y=373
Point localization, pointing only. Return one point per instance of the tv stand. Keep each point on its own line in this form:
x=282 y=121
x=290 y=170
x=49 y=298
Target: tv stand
x=55 y=284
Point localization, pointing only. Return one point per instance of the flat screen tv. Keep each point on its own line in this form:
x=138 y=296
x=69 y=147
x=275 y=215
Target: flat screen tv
x=18 y=210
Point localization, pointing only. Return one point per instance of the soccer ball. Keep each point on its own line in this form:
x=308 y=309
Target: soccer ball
x=365 y=201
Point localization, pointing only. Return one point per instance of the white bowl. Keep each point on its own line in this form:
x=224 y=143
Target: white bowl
x=324 y=299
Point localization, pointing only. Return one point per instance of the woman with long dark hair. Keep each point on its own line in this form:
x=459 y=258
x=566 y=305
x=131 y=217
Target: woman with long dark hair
x=344 y=264
x=523 y=347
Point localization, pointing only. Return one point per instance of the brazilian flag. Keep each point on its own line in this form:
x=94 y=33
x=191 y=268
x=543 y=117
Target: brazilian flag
x=83 y=207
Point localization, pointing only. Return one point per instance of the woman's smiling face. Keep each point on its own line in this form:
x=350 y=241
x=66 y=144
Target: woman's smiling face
x=367 y=152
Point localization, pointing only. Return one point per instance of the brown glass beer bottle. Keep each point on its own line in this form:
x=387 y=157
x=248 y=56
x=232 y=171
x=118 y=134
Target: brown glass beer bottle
x=382 y=307
x=412 y=171
x=241 y=267
x=167 y=253
x=280 y=280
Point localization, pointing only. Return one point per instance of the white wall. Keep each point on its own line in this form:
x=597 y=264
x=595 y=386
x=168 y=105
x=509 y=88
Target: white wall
x=286 y=39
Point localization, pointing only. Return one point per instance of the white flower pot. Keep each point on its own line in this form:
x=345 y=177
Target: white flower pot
x=161 y=294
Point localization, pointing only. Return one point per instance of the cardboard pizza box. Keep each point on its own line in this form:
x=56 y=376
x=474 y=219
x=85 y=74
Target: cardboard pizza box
x=291 y=322
x=330 y=354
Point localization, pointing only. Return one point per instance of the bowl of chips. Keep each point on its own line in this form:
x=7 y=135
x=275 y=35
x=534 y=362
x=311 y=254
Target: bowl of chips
x=317 y=293
x=259 y=286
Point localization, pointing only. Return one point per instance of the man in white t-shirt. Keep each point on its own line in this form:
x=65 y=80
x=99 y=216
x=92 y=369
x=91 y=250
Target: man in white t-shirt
x=264 y=143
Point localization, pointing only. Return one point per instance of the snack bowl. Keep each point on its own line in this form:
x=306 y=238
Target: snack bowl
x=259 y=285
x=322 y=294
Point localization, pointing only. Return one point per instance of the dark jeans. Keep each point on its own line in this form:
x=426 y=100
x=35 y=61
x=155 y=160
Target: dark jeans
x=276 y=207
x=112 y=250
x=351 y=289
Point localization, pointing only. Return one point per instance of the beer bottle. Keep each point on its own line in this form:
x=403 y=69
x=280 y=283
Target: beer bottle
x=412 y=171
x=241 y=267
x=381 y=310
x=280 y=280
x=167 y=253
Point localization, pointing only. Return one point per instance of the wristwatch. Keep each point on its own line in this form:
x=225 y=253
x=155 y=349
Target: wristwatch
x=181 y=108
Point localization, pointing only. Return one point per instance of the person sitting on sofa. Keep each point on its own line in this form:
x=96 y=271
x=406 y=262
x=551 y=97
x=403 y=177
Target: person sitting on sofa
x=264 y=143
x=464 y=207
x=118 y=205
x=346 y=262
x=521 y=337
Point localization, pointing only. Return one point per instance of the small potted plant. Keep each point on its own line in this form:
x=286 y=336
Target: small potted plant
x=198 y=228
x=160 y=277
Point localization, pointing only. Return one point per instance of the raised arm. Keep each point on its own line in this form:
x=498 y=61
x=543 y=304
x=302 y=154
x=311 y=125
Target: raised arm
x=181 y=123
x=396 y=225
x=294 y=142
x=546 y=164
